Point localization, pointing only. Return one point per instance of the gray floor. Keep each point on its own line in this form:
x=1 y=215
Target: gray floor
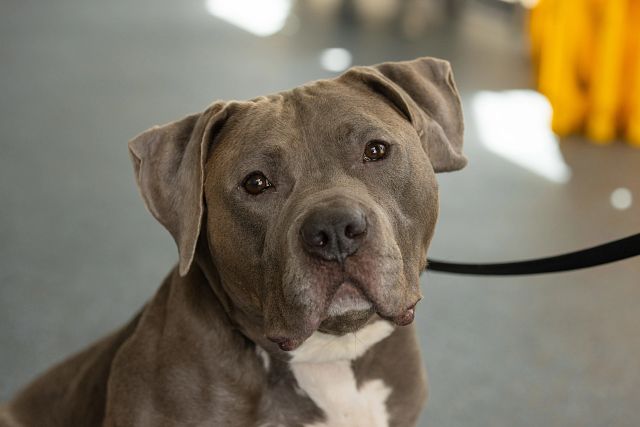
x=79 y=254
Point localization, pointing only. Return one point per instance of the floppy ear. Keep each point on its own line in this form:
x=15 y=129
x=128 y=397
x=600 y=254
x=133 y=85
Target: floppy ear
x=169 y=164
x=426 y=94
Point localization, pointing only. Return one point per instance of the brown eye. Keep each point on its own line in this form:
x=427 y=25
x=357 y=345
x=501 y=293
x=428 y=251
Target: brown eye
x=374 y=150
x=255 y=183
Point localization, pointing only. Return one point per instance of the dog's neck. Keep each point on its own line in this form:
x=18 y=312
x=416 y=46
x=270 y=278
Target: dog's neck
x=247 y=324
x=202 y=260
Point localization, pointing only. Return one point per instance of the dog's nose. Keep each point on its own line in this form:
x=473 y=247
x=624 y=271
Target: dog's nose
x=333 y=233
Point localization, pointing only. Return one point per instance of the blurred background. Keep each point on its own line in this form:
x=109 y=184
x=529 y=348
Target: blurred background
x=550 y=171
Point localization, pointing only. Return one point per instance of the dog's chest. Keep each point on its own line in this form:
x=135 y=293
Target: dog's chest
x=323 y=371
x=333 y=388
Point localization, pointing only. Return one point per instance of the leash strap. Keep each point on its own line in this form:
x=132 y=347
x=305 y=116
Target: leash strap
x=602 y=254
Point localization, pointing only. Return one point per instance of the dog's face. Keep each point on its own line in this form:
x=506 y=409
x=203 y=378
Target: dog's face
x=318 y=203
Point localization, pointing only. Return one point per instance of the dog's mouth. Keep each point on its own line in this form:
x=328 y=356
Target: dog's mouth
x=350 y=308
x=343 y=298
x=348 y=311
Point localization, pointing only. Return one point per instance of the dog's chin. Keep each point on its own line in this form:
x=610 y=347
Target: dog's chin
x=350 y=321
x=348 y=311
x=347 y=306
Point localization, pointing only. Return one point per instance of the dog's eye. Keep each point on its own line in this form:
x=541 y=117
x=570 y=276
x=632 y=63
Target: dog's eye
x=374 y=150
x=255 y=183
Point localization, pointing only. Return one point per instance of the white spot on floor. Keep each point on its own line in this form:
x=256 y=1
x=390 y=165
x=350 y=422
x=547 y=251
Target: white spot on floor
x=335 y=59
x=259 y=17
x=621 y=198
x=516 y=125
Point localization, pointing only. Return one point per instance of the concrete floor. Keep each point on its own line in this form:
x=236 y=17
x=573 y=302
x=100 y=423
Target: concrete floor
x=79 y=254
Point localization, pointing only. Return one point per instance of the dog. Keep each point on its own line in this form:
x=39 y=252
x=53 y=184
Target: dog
x=302 y=221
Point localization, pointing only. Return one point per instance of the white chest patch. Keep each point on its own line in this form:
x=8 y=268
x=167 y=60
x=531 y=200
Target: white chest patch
x=321 y=347
x=322 y=367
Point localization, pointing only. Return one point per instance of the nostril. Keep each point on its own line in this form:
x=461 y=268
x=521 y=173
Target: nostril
x=352 y=231
x=319 y=239
x=314 y=236
x=355 y=227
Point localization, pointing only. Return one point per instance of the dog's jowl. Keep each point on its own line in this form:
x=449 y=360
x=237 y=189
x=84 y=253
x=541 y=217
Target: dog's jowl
x=302 y=221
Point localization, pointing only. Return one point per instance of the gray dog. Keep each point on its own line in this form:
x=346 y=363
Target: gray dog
x=302 y=221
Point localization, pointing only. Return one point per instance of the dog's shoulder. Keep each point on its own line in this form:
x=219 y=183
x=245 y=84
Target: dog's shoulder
x=180 y=348
x=185 y=361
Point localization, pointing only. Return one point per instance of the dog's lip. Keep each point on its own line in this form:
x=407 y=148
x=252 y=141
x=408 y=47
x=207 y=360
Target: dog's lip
x=405 y=317
x=348 y=310
x=286 y=344
x=345 y=289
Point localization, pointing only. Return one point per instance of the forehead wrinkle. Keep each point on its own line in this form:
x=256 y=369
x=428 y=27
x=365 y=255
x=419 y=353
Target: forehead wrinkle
x=255 y=138
x=266 y=122
x=305 y=108
x=342 y=113
x=271 y=153
x=362 y=128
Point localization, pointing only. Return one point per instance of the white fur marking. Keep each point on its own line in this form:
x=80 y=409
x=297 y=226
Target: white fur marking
x=266 y=360
x=332 y=386
x=322 y=368
x=321 y=347
x=344 y=306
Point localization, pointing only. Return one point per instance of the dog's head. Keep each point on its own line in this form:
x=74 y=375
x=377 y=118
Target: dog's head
x=317 y=204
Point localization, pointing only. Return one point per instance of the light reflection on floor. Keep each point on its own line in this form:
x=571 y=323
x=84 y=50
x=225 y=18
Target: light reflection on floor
x=515 y=125
x=260 y=17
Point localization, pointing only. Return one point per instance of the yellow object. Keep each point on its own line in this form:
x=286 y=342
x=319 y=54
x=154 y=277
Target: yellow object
x=587 y=57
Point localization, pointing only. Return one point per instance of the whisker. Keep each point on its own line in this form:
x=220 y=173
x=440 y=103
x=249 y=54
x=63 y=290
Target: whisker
x=355 y=343
x=355 y=336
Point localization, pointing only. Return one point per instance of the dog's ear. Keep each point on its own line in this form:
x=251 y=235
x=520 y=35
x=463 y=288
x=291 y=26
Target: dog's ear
x=169 y=165
x=424 y=91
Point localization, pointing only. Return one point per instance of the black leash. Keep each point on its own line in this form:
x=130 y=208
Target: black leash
x=602 y=254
